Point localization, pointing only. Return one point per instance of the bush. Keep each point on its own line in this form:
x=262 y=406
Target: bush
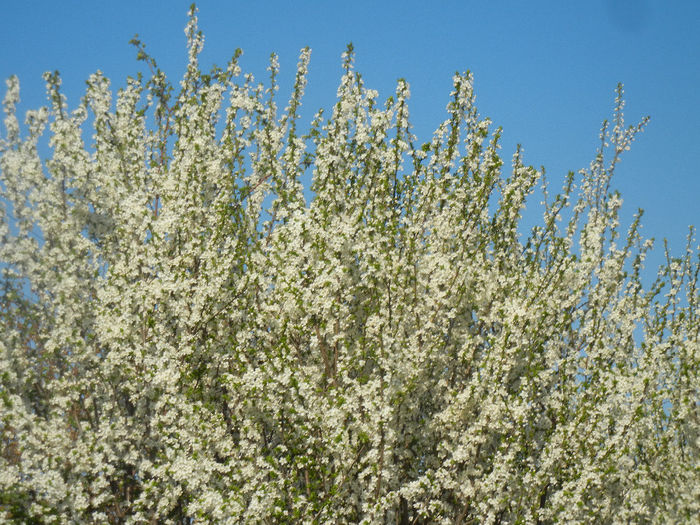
x=187 y=339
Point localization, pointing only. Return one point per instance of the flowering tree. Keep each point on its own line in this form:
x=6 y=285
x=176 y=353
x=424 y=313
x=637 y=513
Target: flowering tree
x=186 y=339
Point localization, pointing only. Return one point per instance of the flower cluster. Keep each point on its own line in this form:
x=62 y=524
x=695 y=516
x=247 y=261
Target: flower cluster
x=186 y=339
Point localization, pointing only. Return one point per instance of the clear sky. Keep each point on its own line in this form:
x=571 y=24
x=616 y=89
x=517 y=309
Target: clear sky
x=544 y=70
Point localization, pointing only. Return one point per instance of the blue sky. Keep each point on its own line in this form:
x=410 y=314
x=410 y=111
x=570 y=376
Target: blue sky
x=544 y=70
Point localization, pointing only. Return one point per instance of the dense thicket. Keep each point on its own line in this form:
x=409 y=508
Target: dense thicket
x=185 y=337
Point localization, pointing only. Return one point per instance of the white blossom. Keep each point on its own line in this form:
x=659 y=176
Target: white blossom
x=186 y=338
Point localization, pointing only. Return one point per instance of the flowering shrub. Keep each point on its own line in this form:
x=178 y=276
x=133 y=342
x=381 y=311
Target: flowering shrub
x=186 y=339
